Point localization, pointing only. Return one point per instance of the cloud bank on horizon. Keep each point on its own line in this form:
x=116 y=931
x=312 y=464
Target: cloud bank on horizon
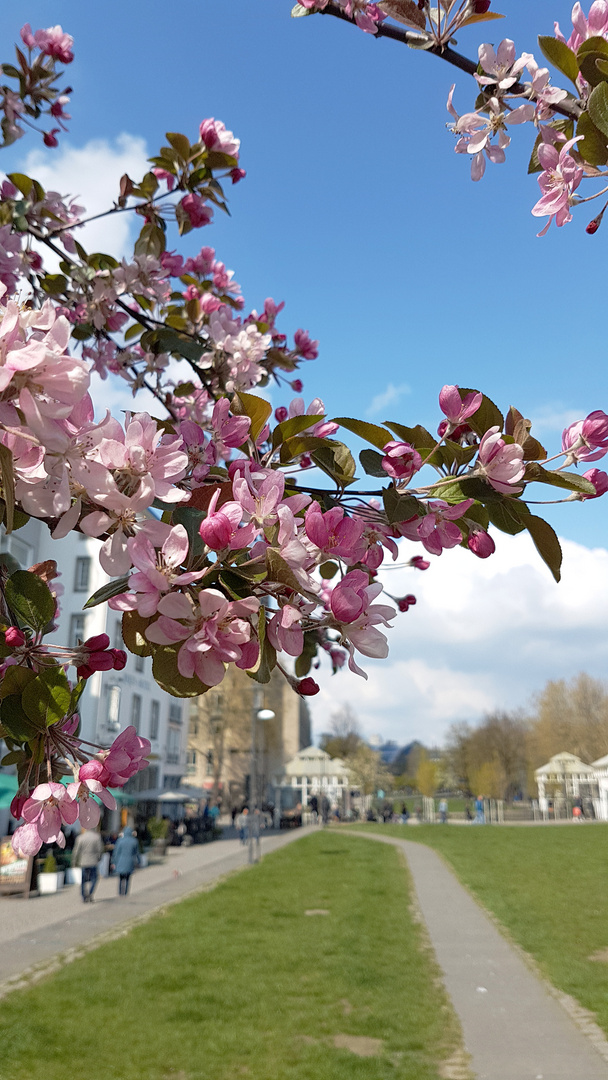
x=487 y=637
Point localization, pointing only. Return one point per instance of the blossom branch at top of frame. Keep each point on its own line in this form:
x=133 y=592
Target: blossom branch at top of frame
x=571 y=125
x=221 y=543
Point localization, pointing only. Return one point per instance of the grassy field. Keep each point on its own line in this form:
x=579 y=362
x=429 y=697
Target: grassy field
x=239 y=982
x=547 y=885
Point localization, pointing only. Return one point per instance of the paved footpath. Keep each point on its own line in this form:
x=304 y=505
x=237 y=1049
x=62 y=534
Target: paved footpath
x=513 y=1027
x=60 y=927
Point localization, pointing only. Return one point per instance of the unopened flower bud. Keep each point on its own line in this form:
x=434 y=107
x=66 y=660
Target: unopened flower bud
x=593 y=226
x=407 y=602
x=307 y=687
x=280 y=414
x=481 y=544
x=14 y=637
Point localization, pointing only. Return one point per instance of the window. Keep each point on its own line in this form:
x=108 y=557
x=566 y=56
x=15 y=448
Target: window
x=136 y=711
x=171 y=782
x=173 y=740
x=154 y=720
x=139 y=664
x=81 y=576
x=18 y=548
x=175 y=713
x=113 y=707
x=76 y=630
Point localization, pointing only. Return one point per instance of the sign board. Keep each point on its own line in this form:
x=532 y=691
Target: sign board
x=15 y=870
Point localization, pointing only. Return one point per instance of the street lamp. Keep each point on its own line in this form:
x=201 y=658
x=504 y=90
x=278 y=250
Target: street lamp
x=254 y=819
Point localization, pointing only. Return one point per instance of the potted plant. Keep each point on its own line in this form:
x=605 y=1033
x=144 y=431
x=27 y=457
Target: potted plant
x=158 y=829
x=50 y=879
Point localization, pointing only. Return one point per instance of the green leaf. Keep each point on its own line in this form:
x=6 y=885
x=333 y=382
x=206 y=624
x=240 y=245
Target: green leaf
x=483 y=16
x=598 y=107
x=54 y=284
x=328 y=570
x=560 y=55
x=30 y=599
x=113 y=588
x=8 y=486
x=399 y=507
x=568 y=480
x=23 y=183
x=593 y=147
x=300 y=444
x=168 y=677
x=594 y=48
x=534 y=164
x=488 y=414
x=467 y=487
x=235 y=585
x=371 y=462
x=46 y=699
x=507 y=515
x=267 y=659
x=337 y=461
x=191 y=520
x=15 y=721
x=288 y=428
x=168 y=340
x=77 y=692
x=546 y=543
x=418 y=437
x=180 y=143
x=133 y=633
x=15 y=756
x=373 y=433
x=280 y=571
x=15 y=679
x=151 y=241
x=256 y=408
x=304 y=661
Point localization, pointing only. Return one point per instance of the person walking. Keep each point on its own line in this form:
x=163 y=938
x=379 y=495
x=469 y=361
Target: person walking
x=241 y=824
x=125 y=858
x=87 y=852
x=480 y=815
x=443 y=811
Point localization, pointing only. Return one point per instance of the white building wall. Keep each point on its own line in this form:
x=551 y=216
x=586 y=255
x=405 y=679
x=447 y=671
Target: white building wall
x=113 y=699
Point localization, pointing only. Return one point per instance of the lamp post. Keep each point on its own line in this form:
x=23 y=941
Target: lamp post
x=254 y=818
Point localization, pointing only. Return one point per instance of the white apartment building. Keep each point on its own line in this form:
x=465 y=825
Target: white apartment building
x=113 y=699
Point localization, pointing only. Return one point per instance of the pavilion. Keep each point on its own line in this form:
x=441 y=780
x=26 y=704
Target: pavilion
x=313 y=772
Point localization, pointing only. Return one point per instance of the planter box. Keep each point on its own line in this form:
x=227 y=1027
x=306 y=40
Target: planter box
x=73 y=875
x=50 y=883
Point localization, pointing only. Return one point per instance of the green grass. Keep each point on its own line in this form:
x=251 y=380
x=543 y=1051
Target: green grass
x=238 y=982
x=547 y=885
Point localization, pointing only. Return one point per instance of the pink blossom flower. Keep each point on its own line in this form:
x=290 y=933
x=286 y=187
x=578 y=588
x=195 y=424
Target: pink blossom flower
x=220 y=529
x=334 y=533
x=260 y=495
x=559 y=180
x=215 y=634
x=215 y=137
x=150 y=589
x=197 y=211
x=401 y=460
x=436 y=529
x=481 y=543
x=172 y=263
x=228 y=431
x=52 y=42
x=307 y=349
x=356 y=616
x=144 y=458
x=89 y=811
x=599 y=480
x=586 y=440
x=126 y=756
x=456 y=408
x=366 y=15
x=477 y=129
x=500 y=67
x=500 y=463
x=50 y=806
x=236 y=175
x=419 y=563
x=595 y=25
x=284 y=630
x=169 y=179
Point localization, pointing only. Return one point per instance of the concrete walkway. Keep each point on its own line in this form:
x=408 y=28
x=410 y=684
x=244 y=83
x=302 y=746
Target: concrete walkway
x=61 y=927
x=513 y=1027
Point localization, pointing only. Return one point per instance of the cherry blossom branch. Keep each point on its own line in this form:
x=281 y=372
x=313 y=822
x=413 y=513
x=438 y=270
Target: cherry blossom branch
x=570 y=109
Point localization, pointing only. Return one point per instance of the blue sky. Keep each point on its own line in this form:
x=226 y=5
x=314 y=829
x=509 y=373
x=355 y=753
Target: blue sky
x=356 y=211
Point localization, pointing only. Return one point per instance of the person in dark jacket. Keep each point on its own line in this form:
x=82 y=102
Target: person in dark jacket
x=125 y=858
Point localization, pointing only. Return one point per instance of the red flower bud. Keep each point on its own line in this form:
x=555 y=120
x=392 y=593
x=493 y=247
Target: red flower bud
x=407 y=602
x=592 y=227
x=307 y=687
x=14 y=637
x=481 y=6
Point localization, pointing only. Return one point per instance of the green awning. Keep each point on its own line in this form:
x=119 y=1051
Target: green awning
x=8 y=789
x=122 y=796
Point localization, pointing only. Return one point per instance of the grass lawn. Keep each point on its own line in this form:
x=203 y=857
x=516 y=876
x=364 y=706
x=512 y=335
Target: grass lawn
x=239 y=982
x=547 y=886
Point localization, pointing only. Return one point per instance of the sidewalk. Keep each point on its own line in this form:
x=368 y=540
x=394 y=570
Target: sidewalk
x=513 y=1027
x=61 y=927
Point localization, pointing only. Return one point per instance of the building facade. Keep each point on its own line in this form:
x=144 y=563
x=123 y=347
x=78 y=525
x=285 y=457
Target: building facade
x=112 y=700
x=220 y=736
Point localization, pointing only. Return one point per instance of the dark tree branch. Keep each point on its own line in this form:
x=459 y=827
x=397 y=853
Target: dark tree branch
x=570 y=109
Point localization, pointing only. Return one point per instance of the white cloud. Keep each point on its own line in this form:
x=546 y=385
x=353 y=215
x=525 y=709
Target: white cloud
x=91 y=175
x=554 y=416
x=484 y=635
x=390 y=396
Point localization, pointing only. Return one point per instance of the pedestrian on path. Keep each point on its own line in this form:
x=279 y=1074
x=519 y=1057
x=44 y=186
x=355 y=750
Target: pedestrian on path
x=443 y=811
x=87 y=852
x=125 y=858
x=480 y=816
x=241 y=824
